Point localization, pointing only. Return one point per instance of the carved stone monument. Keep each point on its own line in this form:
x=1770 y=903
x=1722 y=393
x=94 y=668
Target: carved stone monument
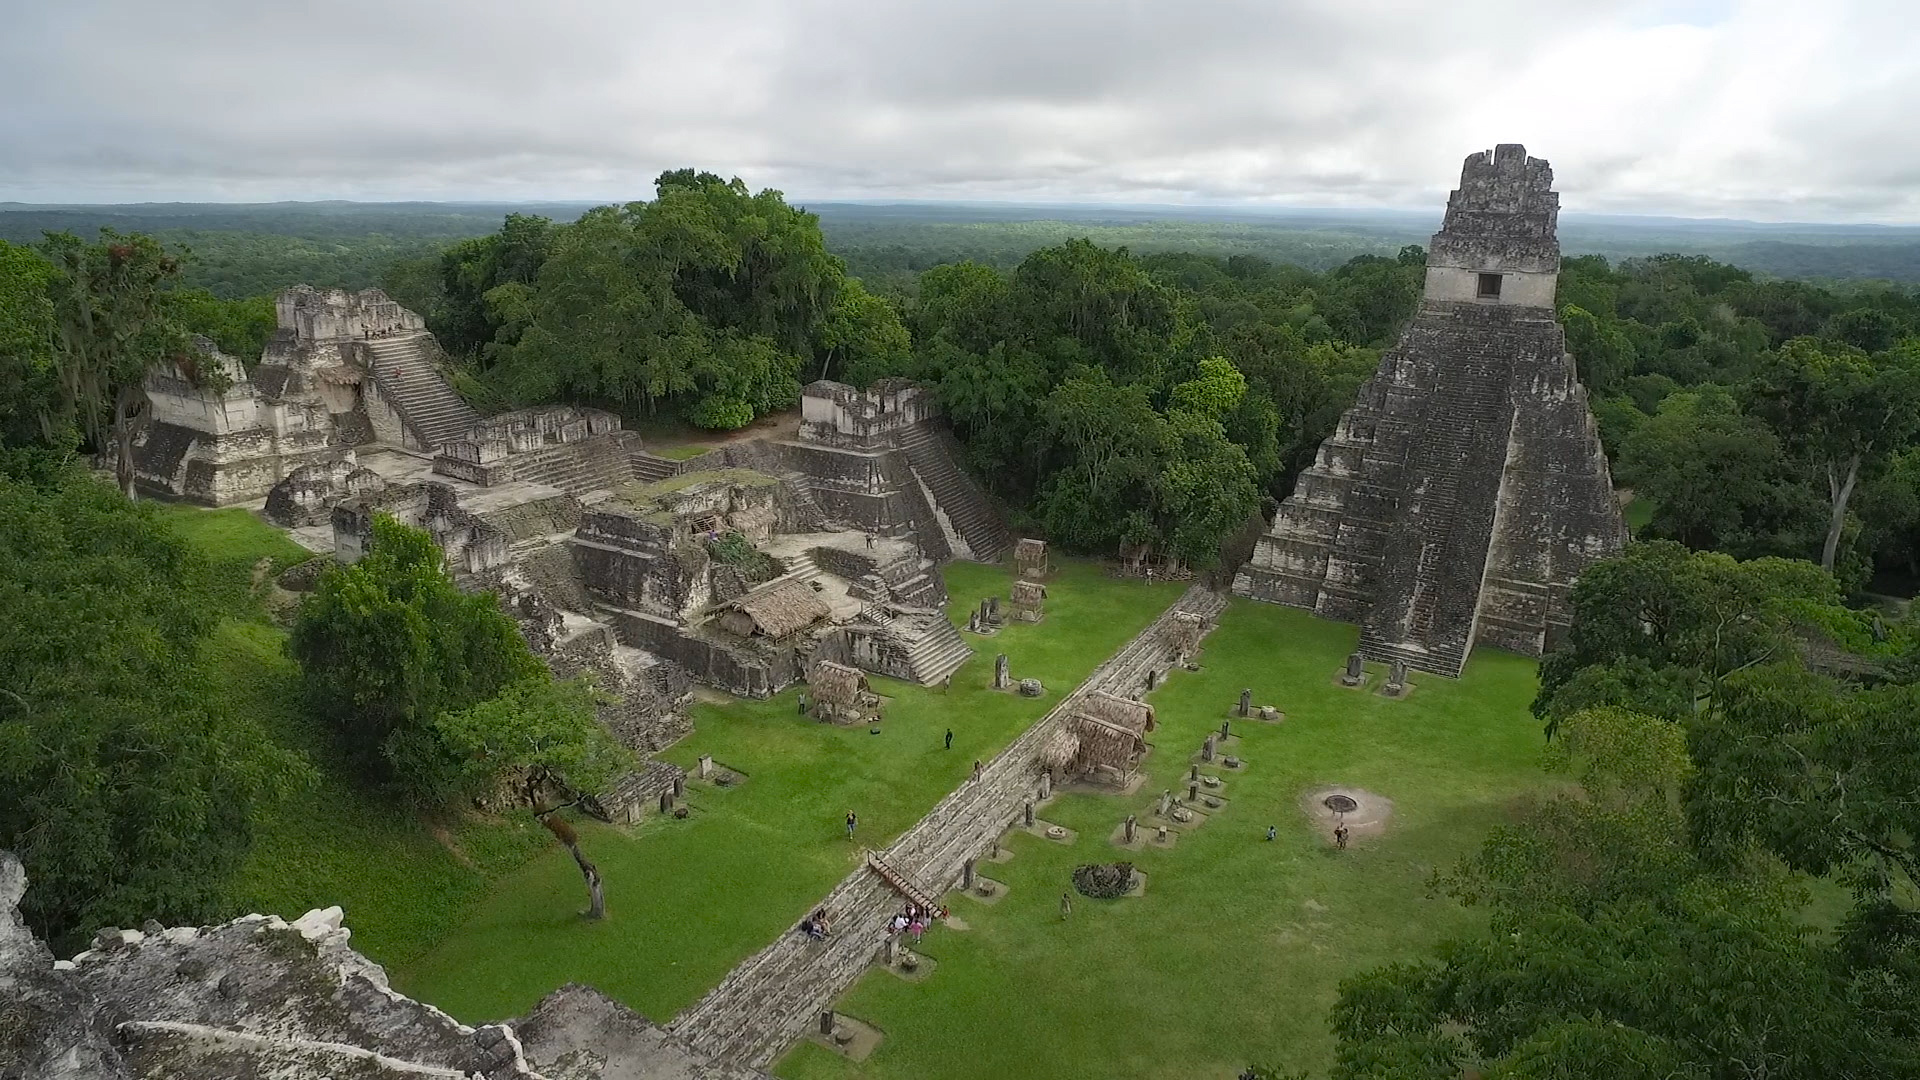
x=1046 y=785
x=966 y=875
x=1002 y=678
x=1207 y=749
x=1246 y=701
x=1166 y=802
x=1030 y=560
x=1028 y=813
x=706 y=766
x=1396 y=679
x=1356 y=671
x=1458 y=499
x=1132 y=824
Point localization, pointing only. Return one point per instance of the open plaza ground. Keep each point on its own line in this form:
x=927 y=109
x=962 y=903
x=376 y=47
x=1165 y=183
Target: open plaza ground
x=1232 y=954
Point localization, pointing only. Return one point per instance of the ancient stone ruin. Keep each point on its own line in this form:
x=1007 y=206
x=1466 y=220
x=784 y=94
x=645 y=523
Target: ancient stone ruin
x=341 y=370
x=261 y=997
x=1465 y=490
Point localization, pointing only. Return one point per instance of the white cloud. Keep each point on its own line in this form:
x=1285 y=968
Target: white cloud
x=1776 y=109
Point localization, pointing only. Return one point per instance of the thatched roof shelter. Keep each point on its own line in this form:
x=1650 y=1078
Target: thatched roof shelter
x=1028 y=593
x=1061 y=748
x=1185 y=631
x=1124 y=713
x=1106 y=747
x=836 y=684
x=776 y=610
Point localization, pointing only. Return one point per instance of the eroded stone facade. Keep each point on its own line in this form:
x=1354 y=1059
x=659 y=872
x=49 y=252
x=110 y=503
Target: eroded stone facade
x=1466 y=489
x=342 y=369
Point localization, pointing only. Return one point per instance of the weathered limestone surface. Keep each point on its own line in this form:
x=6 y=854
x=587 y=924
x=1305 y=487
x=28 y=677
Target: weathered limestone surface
x=260 y=998
x=1466 y=489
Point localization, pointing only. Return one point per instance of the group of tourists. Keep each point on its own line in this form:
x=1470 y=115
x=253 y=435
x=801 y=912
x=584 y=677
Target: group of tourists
x=815 y=925
x=914 y=920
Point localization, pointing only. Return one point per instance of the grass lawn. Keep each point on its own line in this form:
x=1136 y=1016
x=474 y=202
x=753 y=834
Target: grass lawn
x=1234 y=953
x=333 y=843
x=1639 y=514
x=689 y=899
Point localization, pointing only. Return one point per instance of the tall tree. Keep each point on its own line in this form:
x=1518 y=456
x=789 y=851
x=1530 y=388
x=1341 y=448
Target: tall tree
x=1843 y=410
x=126 y=786
x=540 y=739
x=28 y=389
x=389 y=644
x=113 y=320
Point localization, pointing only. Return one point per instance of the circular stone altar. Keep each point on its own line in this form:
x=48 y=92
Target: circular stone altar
x=1363 y=812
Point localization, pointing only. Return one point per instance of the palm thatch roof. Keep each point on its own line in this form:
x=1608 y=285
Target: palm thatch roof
x=1060 y=749
x=1105 y=744
x=1028 y=593
x=782 y=607
x=1124 y=713
x=1185 y=631
x=836 y=684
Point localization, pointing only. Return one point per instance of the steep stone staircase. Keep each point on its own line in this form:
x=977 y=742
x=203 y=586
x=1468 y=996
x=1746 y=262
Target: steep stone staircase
x=955 y=494
x=410 y=381
x=1424 y=614
x=802 y=566
x=649 y=469
x=766 y=1002
x=599 y=464
x=938 y=652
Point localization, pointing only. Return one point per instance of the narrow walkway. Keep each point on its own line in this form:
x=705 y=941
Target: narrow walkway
x=770 y=1000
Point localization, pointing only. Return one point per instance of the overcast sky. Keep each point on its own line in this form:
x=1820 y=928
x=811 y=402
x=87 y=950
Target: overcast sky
x=1798 y=110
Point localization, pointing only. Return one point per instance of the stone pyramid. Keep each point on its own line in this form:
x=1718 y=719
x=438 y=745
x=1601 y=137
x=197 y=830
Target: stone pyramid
x=1466 y=489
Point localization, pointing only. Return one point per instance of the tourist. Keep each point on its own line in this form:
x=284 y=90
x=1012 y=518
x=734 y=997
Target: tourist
x=976 y=770
x=916 y=928
x=1270 y=832
x=949 y=738
x=1340 y=836
x=852 y=820
x=1066 y=906
x=812 y=929
x=820 y=920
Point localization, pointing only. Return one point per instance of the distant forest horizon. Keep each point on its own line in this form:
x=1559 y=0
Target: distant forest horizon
x=248 y=249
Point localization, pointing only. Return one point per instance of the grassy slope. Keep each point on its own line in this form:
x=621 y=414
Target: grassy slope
x=333 y=843
x=689 y=899
x=1234 y=953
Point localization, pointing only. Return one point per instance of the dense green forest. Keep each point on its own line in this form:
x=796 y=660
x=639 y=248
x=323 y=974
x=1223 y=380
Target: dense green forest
x=240 y=250
x=1654 y=916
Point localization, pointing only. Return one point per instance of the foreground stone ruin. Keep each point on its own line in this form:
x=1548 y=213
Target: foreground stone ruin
x=1466 y=489
x=260 y=998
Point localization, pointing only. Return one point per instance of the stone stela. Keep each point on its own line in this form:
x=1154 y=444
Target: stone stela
x=1458 y=499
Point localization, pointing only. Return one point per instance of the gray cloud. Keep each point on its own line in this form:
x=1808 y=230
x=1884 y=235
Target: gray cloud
x=1774 y=109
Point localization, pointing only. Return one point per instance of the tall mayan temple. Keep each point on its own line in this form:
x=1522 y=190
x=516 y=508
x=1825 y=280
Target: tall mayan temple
x=1466 y=489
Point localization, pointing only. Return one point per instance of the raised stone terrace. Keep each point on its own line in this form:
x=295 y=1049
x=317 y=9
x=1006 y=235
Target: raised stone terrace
x=1465 y=490
x=769 y=1000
